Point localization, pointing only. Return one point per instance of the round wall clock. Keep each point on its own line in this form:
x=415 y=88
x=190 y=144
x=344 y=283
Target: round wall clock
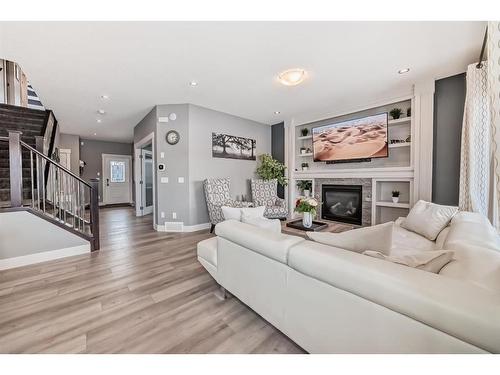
x=172 y=137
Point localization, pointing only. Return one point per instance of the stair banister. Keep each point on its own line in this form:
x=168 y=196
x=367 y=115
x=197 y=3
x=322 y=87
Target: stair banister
x=16 y=169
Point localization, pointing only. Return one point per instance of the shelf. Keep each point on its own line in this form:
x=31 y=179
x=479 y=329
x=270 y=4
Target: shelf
x=306 y=137
x=400 y=121
x=397 y=145
x=392 y=204
x=305 y=155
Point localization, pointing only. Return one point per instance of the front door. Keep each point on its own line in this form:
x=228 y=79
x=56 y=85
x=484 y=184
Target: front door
x=116 y=182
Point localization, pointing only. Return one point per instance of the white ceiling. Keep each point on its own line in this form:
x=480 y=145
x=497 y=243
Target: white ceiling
x=140 y=64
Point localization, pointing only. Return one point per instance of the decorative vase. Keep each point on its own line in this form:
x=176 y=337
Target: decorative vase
x=307 y=220
x=307 y=193
x=305 y=168
x=395 y=199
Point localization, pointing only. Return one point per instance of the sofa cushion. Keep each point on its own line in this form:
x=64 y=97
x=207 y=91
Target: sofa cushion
x=273 y=225
x=428 y=219
x=471 y=229
x=430 y=261
x=406 y=240
x=231 y=213
x=270 y=244
x=253 y=212
x=376 y=238
x=207 y=250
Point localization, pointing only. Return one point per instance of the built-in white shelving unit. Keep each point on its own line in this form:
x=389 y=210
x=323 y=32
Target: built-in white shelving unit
x=396 y=172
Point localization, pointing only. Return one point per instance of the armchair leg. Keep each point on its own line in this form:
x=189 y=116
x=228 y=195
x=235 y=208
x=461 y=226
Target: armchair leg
x=212 y=227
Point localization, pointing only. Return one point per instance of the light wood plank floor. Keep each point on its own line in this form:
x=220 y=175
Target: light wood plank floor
x=143 y=292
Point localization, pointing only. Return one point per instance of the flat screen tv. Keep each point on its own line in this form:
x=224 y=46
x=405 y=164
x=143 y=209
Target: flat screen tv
x=360 y=138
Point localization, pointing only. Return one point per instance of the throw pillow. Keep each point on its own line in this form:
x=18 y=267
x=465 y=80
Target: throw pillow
x=253 y=211
x=430 y=261
x=273 y=225
x=377 y=238
x=428 y=219
x=231 y=213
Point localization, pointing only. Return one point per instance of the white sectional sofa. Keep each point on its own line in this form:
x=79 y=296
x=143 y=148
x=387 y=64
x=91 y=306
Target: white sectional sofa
x=330 y=300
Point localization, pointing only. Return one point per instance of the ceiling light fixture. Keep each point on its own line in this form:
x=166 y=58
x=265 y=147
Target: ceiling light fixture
x=292 y=77
x=193 y=83
x=99 y=120
x=101 y=111
x=104 y=97
x=95 y=133
x=277 y=112
x=403 y=71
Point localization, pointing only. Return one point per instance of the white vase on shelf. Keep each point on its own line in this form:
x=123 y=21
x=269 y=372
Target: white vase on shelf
x=307 y=193
x=395 y=199
x=307 y=219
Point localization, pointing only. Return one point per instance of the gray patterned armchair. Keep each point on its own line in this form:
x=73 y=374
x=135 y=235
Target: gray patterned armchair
x=217 y=194
x=265 y=193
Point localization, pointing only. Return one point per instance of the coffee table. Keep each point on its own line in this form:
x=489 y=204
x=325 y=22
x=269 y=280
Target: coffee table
x=329 y=226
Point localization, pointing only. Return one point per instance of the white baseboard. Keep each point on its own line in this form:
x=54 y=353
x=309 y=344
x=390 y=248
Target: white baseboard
x=43 y=257
x=185 y=228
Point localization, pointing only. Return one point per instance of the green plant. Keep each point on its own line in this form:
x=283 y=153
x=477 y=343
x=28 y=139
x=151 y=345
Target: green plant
x=395 y=193
x=305 y=165
x=304 y=185
x=270 y=169
x=306 y=205
x=304 y=132
x=408 y=112
x=395 y=113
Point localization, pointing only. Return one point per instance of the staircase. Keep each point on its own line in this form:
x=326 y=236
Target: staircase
x=31 y=181
x=32 y=123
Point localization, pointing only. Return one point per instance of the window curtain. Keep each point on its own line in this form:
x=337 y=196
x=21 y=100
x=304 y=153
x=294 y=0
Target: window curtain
x=493 y=51
x=480 y=152
x=476 y=138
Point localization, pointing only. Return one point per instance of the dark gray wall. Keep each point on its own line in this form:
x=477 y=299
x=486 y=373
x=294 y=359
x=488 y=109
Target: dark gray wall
x=91 y=153
x=449 y=100
x=278 y=148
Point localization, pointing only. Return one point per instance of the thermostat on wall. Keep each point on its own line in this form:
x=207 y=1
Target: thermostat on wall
x=161 y=167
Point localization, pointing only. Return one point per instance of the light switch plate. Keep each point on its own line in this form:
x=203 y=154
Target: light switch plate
x=164 y=180
x=180 y=180
x=162 y=155
x=162 y=215
x=162 y=119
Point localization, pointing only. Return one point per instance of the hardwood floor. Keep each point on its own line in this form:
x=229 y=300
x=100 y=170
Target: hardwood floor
x=143 y=292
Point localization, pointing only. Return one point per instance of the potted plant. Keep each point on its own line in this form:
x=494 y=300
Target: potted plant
x=271 y=169
x=396 y=113
x=395 y=196
x=305 y=187
x=408 y=112
x=302 y=150
x=305 y=166
x=307 y=207
x=304 y=132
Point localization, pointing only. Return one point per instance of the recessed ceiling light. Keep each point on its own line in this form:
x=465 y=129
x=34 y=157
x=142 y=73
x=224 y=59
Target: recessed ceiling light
x=403 y=71
x=99 y=120
x=277 y=112
x=101 y=111
x=193 y=83
x=292 y=77
x=104 y=97
x=95 y=133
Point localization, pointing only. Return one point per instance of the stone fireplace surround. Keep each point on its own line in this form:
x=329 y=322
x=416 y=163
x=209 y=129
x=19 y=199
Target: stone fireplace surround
x=366 y=184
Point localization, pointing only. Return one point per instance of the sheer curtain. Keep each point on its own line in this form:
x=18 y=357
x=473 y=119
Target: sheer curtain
x=493 y=50
x=480 y=153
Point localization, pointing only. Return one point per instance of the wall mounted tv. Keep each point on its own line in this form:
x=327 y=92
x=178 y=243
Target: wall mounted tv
x=355 y=139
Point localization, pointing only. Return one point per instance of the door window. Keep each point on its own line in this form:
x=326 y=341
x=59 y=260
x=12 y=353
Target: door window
x=117 y=171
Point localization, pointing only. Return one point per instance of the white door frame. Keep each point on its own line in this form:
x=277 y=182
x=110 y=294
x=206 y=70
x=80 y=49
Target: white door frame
x=145 y=209
x=150 y=138
x=66 y=151
x=104 y=190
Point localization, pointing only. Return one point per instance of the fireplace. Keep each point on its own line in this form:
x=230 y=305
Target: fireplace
x=342 y=203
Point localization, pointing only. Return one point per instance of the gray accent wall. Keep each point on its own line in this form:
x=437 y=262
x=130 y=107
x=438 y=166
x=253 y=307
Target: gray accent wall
x=202 y=122
x=71 y=142
x=91 y=153
x=449 y=101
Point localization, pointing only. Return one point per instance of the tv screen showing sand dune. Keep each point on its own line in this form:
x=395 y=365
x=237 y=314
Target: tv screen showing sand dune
x=353 y=139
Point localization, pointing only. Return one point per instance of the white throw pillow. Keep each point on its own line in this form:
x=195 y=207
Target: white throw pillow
x=428 y=219
x=231 y=213
x=376 y=238
x=430 y=261
x=273 y=225
x=253 y=211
